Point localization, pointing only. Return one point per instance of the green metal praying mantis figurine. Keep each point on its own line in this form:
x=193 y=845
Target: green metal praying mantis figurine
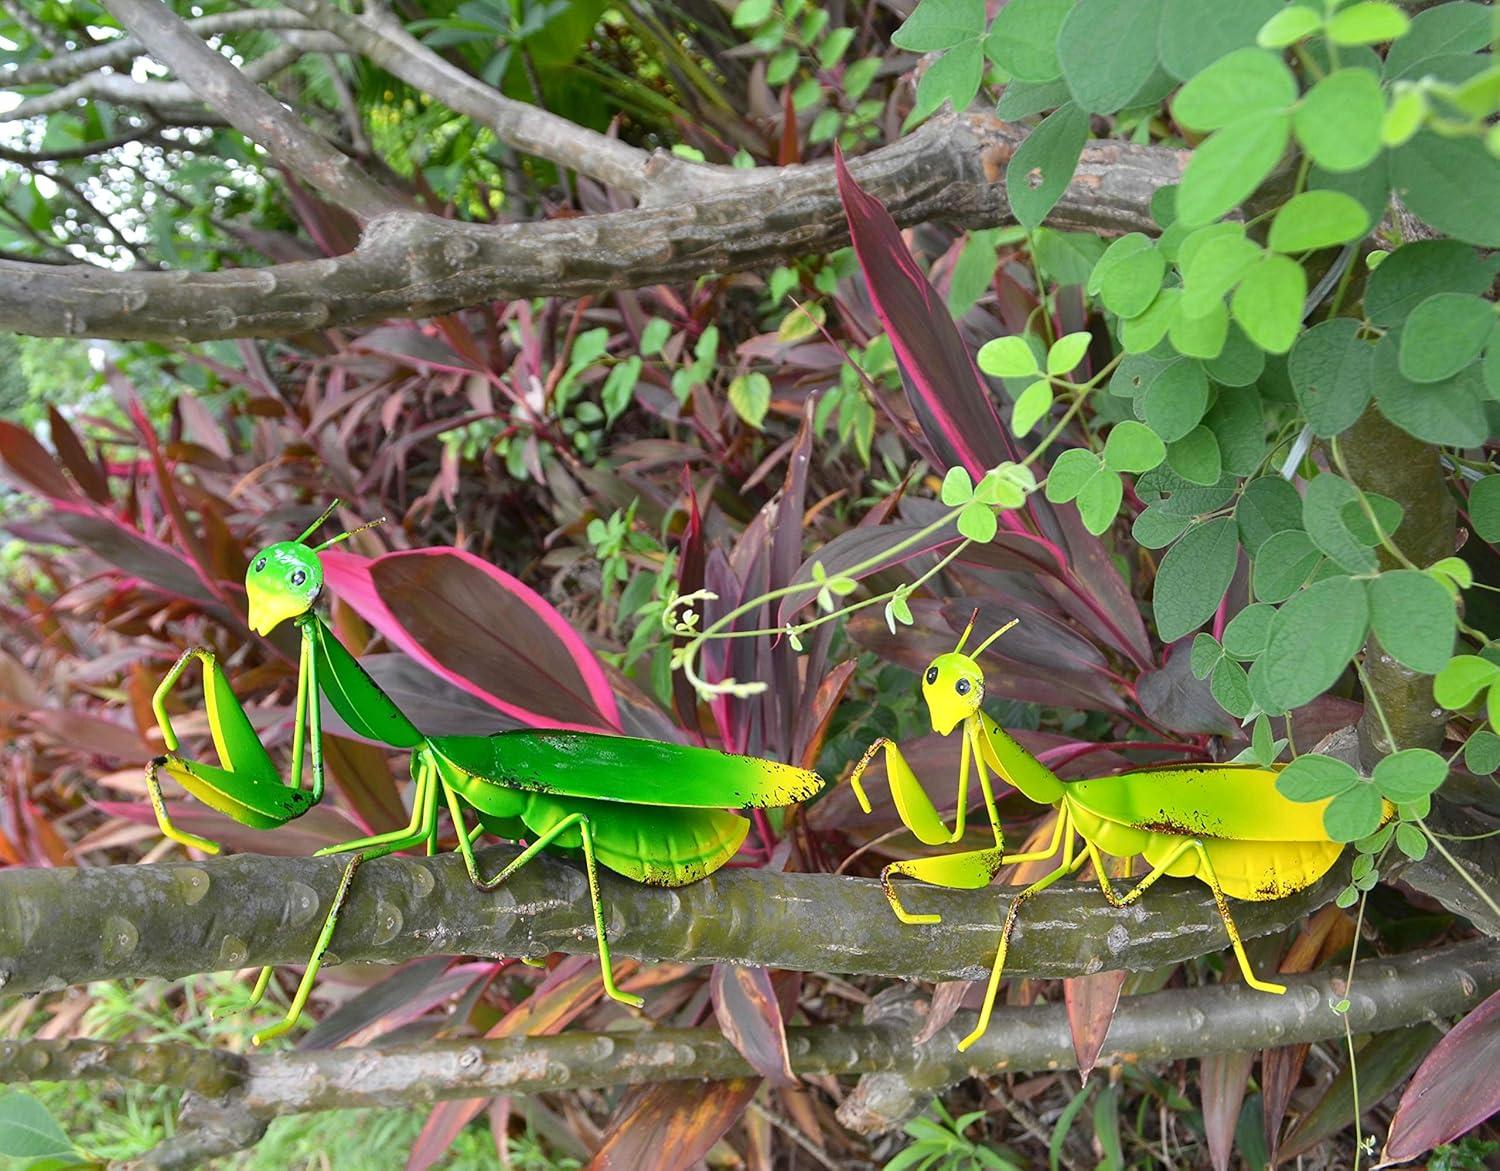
x=1224 y=824
x=650 y=811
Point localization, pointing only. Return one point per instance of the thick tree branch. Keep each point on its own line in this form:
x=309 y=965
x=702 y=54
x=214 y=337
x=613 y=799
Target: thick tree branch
x=241 y=1093
x=61 y=926
x=535 y=131
x=413 y=265
x=119 y=53
x=250 y=110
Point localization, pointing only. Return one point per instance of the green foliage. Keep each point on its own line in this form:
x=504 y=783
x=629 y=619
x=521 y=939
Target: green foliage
x=939 y=1145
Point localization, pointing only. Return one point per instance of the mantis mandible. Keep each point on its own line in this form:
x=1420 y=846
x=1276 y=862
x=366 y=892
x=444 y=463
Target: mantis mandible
x=650 y=811
x=1223 y=824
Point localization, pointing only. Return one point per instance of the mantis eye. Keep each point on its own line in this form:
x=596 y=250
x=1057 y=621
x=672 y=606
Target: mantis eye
x=932 y=674
x=259 y=565
x=962 y=687
x=298 y=576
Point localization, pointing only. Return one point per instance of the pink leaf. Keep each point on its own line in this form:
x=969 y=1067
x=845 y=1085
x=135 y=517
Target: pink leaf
x=1453 y=1090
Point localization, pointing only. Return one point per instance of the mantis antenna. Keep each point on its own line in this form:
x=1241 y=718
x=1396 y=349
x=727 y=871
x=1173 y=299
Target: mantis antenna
x=968 y=630
x=369 y=524
x=312 y=528
x=982 y=647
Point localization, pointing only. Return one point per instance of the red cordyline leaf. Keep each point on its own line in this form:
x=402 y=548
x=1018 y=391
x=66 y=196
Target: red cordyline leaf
x=1453 y=1090
x=749 y=1015
x=947 y=395
x=1091 y=1002
x=482 y=630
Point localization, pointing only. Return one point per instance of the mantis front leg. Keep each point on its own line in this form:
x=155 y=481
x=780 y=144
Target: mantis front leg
x=245 y=785
x=912 y=802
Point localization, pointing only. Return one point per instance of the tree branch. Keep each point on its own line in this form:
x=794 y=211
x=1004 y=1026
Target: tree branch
x=120 y=52
x=414 y=265
x=247 y=1091
x=172 y=920
x=250 y=110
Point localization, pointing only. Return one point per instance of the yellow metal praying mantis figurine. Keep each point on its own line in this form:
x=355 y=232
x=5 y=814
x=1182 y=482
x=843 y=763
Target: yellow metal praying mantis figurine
x=1224 y=824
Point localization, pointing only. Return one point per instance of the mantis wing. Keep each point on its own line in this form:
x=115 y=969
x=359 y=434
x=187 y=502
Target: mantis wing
x=1238 y=802
x=625 y=769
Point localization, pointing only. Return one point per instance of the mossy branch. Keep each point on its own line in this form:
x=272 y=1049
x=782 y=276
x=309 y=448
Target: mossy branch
x=65 y=926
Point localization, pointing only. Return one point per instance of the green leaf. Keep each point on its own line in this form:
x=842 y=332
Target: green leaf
x=1024 y=98
x=1008 y=357
x=1450 y=413
x=1312 y=777
x=1193 y=577
x=1292 y=24
x=1240 y=362
x=1268 y=303
x=940 y=24
x=1107 y=51
x=1248 y=81
x=1313 y=637
x=750 y=395
x=1283 y=564
x=1338 y=121
x=1067 y=352
x=1189 y=44
x=1413 y=616
x=1329 y=368
x=1369 y=22
x=1482 y=753
x=1175 y=399
x=1099 y=501
x=1247 y=632
x=958 y=487
x=1438 y=178
x=1200 y=337
x=28 y=1130
x=1211 y=271
x=1205 y=655
x=749 y=13
x=1043 y=164
x=1195 y=457
x=654 y=336
x=1462 y=679
x=1484 y=508
x=1322 y=517
x=1410 y=775
x=1230 y=686
x=1414 y=272
x=1144 y=331
x=1129 y=275
x=1239 y=425
x=1230 y=164
x=1452 y=572
x=1411 y=841
x=1353 y=814
x=1066 y=257
x=1443 y=29
x=1443 y=335
x=1074 y=469
x=1155 y=528
x=1407 y=113
x=977 y=522
x=974 y=270
x=1032 y=405
x=1134 y=447
x=619 y=387
x=1268 y=505
x=1317 y=219
x=1023 y=38
x=954 y=77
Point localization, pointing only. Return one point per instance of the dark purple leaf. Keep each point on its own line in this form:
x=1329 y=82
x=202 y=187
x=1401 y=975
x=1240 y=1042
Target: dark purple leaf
x=1091 y=1002
x=749 y=1015
x=1173 y=698
x=672 y=1125
x=1223 y=1078
x=950 y=401
x=1454 y=1089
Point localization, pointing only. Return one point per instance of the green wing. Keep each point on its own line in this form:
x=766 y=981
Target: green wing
x=1220 y=801
x=355 y=696
x=621 y=768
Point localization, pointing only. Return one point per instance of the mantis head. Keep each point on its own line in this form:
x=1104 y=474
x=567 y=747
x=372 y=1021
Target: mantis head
x=285 y=579
x=953 y=684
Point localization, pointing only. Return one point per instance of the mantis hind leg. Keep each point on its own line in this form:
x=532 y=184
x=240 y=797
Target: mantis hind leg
x=1210 y=879
x=543 y=840
x=1068 y=865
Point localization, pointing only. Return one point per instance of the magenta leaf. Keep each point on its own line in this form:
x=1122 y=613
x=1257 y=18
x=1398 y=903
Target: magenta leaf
x=483 y=631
